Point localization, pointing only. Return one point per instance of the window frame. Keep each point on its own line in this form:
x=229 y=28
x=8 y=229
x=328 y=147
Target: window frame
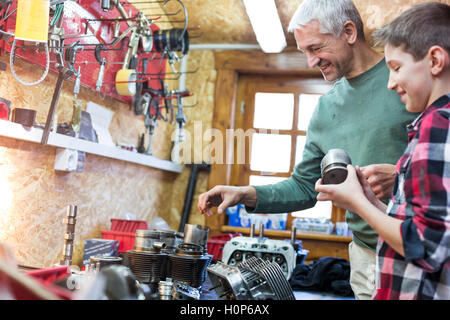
x=248 y=86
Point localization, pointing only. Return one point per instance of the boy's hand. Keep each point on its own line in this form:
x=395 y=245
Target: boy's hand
x=345 y=195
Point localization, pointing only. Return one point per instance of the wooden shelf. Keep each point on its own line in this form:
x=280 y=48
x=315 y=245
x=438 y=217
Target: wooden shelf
x=17 y=131
x=287 y=234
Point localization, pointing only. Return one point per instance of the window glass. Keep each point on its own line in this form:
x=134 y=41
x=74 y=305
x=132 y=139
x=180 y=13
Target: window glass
x=273 y=111
x=270 y=152
x=299 y=148
x=263 y=180
x=307 y=104
x=322 y=209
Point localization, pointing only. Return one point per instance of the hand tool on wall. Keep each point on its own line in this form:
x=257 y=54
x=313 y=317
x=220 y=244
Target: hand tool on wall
x=77 y=104
x=70 y=57
x=140 y=101
x=150 y=122
x=102 y=62
x=63 y=74
x=165 y=94
x=180 y=116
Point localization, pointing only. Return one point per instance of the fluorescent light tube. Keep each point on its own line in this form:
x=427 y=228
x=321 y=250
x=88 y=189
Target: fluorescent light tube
x=266 y=24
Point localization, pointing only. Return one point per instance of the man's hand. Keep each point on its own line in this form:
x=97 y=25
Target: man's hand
x=224 y=197
x=381 y=178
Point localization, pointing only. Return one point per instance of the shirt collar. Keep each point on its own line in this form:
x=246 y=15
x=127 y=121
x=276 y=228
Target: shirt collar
x=439 y=103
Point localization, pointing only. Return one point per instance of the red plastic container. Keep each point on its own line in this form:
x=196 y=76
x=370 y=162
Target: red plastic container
x=47 y=277
x=50 y=275
x=124 y=231
x=128 y=225
x=217 y=242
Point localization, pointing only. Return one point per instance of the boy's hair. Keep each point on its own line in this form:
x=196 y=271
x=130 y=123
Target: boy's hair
x=418 y=29
x=331 y=14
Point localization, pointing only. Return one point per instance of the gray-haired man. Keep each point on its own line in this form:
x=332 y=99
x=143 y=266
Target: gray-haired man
x=359 y=114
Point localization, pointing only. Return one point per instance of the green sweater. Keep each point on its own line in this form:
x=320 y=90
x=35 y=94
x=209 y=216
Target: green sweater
x=359 y=115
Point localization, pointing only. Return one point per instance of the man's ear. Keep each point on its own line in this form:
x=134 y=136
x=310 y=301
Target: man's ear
x=438 y=59
x=350 y=32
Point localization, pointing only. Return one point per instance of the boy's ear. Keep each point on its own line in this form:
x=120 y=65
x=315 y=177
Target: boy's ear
x=350 y=32
x=439 y=59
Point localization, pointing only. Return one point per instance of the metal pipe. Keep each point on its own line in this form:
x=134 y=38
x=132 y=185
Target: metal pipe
x=190 y=192
x=293 y=235
x=252 y=230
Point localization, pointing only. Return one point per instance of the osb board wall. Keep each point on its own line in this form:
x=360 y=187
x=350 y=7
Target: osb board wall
x=198 y=110
x=34 y=197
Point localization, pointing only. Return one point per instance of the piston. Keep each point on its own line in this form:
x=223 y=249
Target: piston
x=334 y=166
x=196 y=234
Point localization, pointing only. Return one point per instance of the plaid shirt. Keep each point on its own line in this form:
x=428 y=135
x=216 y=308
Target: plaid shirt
x=421 y=198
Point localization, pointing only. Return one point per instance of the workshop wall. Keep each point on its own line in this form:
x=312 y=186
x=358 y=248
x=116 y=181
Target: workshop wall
x=34 y=197
x=194 y=149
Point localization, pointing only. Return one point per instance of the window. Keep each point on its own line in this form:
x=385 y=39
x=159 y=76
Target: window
x=277 y=111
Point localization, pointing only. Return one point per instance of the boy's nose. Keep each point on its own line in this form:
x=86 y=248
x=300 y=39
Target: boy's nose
x=391 y=83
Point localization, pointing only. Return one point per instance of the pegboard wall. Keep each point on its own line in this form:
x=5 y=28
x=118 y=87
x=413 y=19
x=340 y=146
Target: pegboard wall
x=87 y=25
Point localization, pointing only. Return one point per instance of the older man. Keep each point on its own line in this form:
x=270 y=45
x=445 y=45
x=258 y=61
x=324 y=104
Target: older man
x=359 y=114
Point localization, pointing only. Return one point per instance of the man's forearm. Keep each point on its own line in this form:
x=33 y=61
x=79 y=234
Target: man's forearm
x=249 y=197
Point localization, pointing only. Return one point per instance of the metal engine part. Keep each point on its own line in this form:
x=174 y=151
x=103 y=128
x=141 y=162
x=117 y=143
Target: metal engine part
x=334 y=166
x=69 y=236
x=120 y=283
x=182 y=291
x=97 y=263
x=161 y=261
x=188 y=264
x=148 y=267
x=196 y=234
x=285 y=254
x=147 y=260
x=254 y=279
x=165 y=289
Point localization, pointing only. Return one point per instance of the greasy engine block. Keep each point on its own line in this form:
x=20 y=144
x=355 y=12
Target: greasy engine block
x=287 y=254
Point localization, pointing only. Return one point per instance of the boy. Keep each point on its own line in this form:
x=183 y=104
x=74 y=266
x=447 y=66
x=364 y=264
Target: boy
x=413 y=251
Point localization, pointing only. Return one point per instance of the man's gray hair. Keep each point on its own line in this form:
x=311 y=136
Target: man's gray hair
x=418 y=29
x=331 y=14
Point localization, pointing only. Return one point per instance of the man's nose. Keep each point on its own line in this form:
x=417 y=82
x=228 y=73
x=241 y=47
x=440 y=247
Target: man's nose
x=312 y=60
